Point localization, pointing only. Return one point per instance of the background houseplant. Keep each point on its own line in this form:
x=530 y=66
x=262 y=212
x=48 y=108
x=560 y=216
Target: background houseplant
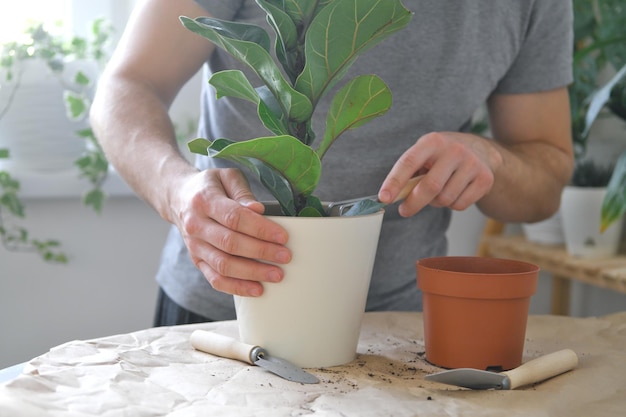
x=592 y=211
x=598 y=52
x=316 y=42
x=612 y=97
x=599 y=48
x=58 y=54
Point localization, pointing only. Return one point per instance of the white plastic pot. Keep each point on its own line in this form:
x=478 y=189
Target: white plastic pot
x=581 y=208
x=546 y=232
x=313 y=317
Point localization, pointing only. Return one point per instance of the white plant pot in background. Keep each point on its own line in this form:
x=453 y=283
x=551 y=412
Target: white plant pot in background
x=35 y=128
x=581 y=208
x=313 y=317
x=546 y=232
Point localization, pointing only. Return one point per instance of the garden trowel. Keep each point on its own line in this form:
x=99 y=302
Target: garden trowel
x=369 y=204
x=531 y=372
x=227 y=347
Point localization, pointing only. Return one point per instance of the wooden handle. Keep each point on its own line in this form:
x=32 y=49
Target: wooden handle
x=408 y=187
x=220 y=345
x=542 y=368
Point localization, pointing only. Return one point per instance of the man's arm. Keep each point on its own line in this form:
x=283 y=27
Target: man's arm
x=534 y=134
x=518 y=177
x=215 y=211
x=154 y=59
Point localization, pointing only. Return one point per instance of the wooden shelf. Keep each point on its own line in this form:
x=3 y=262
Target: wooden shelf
x=609 y=273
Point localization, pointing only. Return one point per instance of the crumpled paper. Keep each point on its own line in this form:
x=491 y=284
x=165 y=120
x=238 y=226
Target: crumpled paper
x=156 y=372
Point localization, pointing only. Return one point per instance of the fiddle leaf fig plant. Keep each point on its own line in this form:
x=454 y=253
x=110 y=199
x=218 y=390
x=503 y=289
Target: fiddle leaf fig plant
x=316 y=43
x=18 y=238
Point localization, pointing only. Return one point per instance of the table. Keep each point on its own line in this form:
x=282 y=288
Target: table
x=609 y=273
x=156 y=372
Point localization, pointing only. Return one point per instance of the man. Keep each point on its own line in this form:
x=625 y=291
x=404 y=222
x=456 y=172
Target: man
x=452 y=58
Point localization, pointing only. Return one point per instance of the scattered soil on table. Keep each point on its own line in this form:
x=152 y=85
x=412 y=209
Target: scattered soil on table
x=371 y=369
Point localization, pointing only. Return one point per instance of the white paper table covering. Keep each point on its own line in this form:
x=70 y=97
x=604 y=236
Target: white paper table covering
x=156 y=372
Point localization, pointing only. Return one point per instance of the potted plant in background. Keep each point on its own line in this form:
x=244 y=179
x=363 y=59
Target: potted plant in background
x=599 y=39
x=48 y=84
x=591 y=208
x=612 y=97
x=310 y=334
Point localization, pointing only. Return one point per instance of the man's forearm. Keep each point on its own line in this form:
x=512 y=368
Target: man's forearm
x=138 y=138
x=528 y=183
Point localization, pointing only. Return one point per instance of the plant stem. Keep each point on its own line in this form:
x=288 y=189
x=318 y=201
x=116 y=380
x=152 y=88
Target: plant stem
x=18 y=80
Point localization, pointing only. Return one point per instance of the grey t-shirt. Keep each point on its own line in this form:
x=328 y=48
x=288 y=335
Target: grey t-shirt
x=441 y=69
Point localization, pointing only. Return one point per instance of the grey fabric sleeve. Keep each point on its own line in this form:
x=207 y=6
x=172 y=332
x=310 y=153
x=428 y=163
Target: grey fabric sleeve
x=542 y=63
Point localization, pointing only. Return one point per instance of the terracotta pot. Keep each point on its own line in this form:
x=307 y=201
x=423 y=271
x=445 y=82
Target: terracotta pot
x=475 y=310
x=313 y=317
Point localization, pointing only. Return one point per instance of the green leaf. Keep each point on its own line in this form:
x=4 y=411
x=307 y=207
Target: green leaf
x=270 y=113
x=286 y=35
x=250 y=44
x=289 y=157
x=8 y=183
x=82 y=79
x=199 y=146
x=612 y=18
x=233 y=83
x=600 y=98
x=359 y=101
x=301 y=12
x=12 y=203
x=83 y=162
x=313 y=208
x=339 y=34
x=76 y=105
x=45 y=250
x=4 y=153
x=617 y=100
x=276 y=184
x=309 y=211
x=86 y=133
x=614 y=203
x=289 y=45
x=94 y=198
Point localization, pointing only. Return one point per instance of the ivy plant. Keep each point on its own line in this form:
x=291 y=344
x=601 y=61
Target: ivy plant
x=316 y=43
x=55 y=50
x=15 y=237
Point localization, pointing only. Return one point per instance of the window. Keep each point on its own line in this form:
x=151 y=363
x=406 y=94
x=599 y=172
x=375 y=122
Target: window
x=22 y=12
x=76 y=15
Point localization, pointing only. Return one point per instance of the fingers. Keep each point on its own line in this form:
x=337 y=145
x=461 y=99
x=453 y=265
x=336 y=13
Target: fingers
x=234 y=247
x=236 y=187
x=231 y=280
x=231 y=260
x=458 y=174
x=242 y=233
x=228 y=238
